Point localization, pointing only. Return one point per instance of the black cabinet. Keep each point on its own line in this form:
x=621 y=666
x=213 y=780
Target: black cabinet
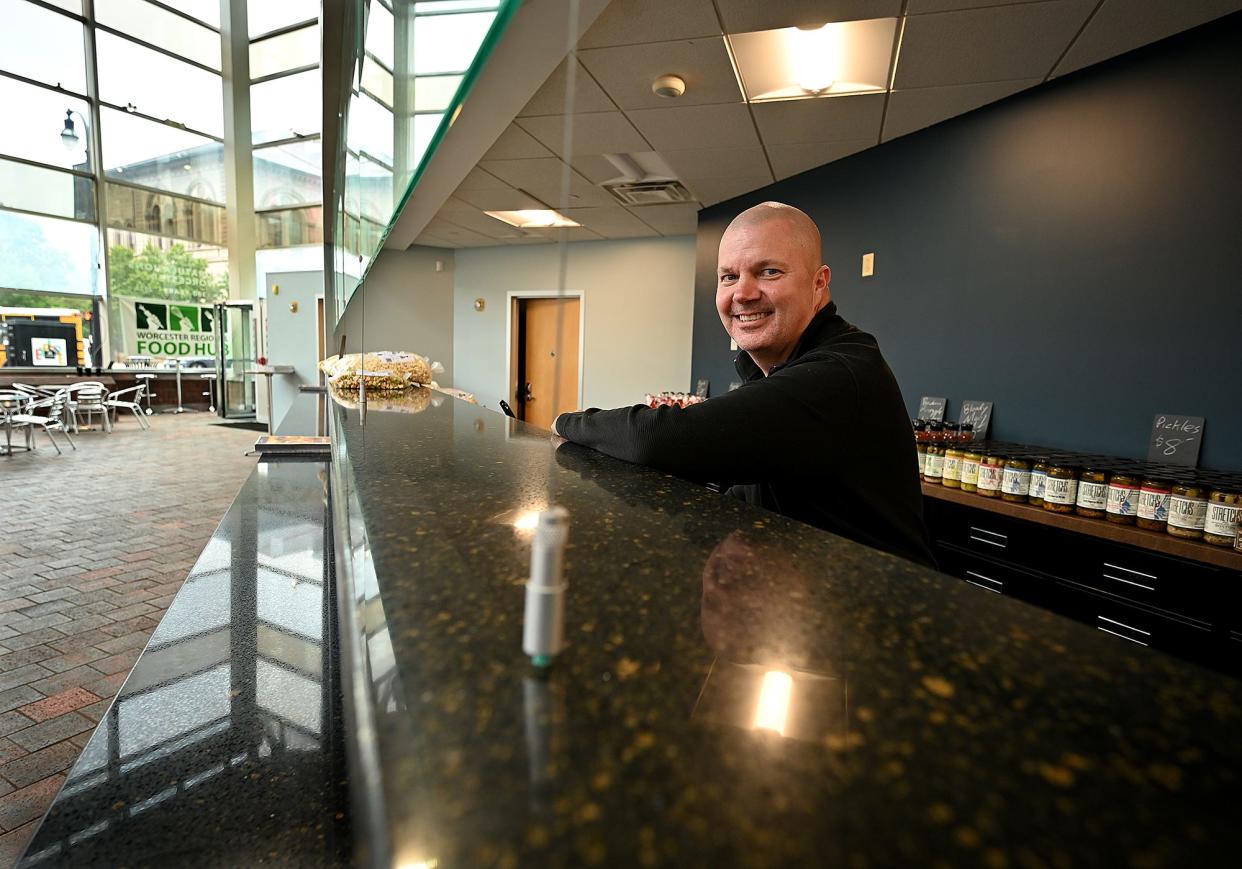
x=1183 y=607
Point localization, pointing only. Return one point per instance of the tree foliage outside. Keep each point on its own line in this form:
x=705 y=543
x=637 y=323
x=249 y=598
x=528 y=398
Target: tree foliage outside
x=13 y=299
x=163 y=274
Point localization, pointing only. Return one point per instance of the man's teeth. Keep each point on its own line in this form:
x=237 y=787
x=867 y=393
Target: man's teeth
x=750 y=318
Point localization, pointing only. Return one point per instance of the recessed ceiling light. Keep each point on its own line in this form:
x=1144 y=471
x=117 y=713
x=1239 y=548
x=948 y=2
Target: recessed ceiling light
x=846 y=57
x=532 y=218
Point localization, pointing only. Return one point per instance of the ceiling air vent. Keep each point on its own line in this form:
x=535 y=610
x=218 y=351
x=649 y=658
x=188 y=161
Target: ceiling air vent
x=648 y=192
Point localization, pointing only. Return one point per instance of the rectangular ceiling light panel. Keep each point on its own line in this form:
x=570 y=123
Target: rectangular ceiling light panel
x=847 y=57
x=532 y=218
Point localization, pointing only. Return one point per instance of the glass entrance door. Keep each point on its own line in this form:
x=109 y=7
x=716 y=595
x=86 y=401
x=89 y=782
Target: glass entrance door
x=235 y=358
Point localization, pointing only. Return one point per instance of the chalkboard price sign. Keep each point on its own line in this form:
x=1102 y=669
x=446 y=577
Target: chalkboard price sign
x=1175 y=439
x=931 y=408
x=979 y=415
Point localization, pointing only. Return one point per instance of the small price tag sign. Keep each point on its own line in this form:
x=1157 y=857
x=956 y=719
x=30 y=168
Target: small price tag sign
x=931 y=408
x=979 y=415
x=1175 y=439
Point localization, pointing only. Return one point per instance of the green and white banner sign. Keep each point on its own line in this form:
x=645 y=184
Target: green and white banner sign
x=151 y=327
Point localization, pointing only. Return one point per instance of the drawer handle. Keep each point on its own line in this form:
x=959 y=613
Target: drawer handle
x=1129 y=581
x=1122 y=625
x=997 y=582
x=1123 y=636
x=998 y=540
x=1131 y=572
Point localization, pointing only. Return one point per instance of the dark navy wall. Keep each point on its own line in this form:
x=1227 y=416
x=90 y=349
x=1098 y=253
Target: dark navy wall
x=1072 y=253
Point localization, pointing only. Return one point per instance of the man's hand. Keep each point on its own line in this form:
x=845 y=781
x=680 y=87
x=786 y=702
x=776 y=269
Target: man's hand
x=557 y=440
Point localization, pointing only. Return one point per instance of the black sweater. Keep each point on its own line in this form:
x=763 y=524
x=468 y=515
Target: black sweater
x=824 y=439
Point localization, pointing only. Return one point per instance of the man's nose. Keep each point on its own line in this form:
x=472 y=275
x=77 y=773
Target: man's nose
x=746 y=289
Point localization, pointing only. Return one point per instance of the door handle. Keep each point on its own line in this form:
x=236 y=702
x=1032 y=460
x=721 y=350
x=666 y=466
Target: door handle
x=528 y=396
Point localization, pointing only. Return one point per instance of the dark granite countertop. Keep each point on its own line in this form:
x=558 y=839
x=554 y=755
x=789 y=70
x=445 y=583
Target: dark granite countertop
x=225 y=745
x=911 y=719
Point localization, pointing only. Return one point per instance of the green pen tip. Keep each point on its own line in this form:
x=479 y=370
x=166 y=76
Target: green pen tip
x=541 y=660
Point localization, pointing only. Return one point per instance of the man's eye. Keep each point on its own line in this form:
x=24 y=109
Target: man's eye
x=727 y=278
x=770 y=272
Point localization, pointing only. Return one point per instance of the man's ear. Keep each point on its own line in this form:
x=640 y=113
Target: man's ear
x=822 y=279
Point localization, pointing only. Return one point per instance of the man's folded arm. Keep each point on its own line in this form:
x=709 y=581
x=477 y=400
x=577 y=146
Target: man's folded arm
x=742 y=436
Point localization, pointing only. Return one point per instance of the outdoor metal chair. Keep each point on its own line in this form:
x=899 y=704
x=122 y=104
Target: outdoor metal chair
x=129 y=399
x=54 y=420
x=88 y=398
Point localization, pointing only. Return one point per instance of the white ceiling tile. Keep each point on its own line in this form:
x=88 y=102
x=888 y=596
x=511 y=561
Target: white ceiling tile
x=569 y=233
x=828 y=119
x=716 y=162
x=427 y=239
x=516 y=144
x=920 y=7
x=684 y=128
x=595 y=168
x=675 y=219
x=545 y=179
x=594 y=133
x=790 y=160
x=911 y=110
x=712 y=190
x=476 y=221
x=500 y=200
x=550 y=98
x=610 y=221
x=630 y=22
x=477 y=179
x=1000 y=43
x=1122 y=25
x=454 y=234
x=744 y=16
x=628 y=72
x=454 y=204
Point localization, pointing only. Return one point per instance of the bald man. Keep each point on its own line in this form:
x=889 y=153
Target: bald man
x=817 y=431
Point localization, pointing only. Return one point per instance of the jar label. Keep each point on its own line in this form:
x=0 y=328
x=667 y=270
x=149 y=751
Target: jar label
x=952 y=468
x=922 y=461
x=970 y=471
x=934 y=467
x=1039 y=481
x=1187 y=512
x=1060 y=490
x=1153 y=504
x=1092 y=496
x=989 y=477
x=1122 y=500
x=1222 y=520
x=1016 y=481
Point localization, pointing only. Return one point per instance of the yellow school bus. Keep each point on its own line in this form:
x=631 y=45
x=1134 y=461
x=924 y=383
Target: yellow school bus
x=49 y=315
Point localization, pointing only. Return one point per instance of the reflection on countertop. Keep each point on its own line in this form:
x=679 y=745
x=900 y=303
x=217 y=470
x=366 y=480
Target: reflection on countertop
x=738 y=688
x=224 y=745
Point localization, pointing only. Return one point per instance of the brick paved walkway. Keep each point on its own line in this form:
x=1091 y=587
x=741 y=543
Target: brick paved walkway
x=93 y=547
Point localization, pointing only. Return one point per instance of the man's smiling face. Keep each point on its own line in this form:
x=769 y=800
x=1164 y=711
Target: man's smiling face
x=769 y=285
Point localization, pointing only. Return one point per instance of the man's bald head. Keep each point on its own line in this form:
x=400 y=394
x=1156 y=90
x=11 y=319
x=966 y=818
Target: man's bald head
x=795 y=221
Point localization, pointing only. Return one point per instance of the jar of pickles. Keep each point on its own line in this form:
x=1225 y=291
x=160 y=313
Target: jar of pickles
x=1153 y=503
x=920 y=443
x=1187 y=509
x=970 y=469
x=952 y=476
x=1123 y=495
x=933 y=467
x=1061 y=489
x=1220 y=526
x=966 y=434
x=1039 y=477
x=1016 y=480
x=991 y=474
x=1092 y=493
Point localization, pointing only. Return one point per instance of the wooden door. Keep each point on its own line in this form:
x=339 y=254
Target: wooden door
x=548 y=382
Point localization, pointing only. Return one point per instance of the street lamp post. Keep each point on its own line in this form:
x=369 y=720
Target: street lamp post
x=71 y=140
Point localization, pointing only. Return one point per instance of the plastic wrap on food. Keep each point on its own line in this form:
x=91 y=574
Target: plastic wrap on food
x=391 y=369
x=413 y=400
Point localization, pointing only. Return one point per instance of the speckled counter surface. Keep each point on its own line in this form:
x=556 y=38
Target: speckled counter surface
x=224 y=747
x=923 y=721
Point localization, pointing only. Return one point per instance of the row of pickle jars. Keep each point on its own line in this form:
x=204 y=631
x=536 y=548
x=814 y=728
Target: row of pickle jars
x=1185 y=508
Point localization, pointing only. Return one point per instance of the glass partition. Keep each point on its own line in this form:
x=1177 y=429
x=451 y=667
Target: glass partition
x=430 y=50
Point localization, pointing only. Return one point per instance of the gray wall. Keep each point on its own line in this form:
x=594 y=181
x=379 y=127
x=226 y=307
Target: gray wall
x=404 y=304
x=1072 y=253
x=637 y=295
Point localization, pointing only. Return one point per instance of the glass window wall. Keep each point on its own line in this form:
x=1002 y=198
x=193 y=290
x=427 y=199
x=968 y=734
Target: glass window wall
x=288 y=174
x=157 y=155
x=47 y=191
x=151 y=24
x=285 y=51
x=43 y=45
x=159 y=86
x=286 y=108
x=264 y=16
x=48 y=254
x=38 y=136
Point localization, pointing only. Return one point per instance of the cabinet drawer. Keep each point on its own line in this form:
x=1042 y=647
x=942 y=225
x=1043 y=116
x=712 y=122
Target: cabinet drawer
x=1191 y=591
x=987 y=534
x=997 y=576
x=1145 y=627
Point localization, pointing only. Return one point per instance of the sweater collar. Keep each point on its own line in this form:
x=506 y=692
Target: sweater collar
x=824 y=324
